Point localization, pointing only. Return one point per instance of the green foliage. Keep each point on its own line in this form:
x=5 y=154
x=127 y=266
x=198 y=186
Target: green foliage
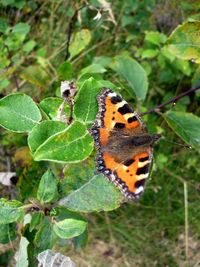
x=47 y=190
x=184 y=41
x=80 y=41
x=35 y=220
x=85 y=108
x=65 y=71
x=50 y=106
x=144 y=51
x=71 y=145
x=19 y=113
x=69 y=228
x=8 y=233
x=42 y=132
x=10 y=211
x=45 y=237
x=133 y=73
x=186 y=125
x=96 y=195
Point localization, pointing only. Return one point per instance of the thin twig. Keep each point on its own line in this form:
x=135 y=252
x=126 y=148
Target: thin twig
x=70 y=30
x=173 y=100
x=71 y=105
x=14 y=75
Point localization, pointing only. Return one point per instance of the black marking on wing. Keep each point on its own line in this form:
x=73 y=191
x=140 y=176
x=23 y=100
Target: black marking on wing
x=140 y=183
x=128 y=162
x=143 y=170
x=132 y=119
x=116 y=99
x=144 y=159
x=119 y=125
x=125 y=109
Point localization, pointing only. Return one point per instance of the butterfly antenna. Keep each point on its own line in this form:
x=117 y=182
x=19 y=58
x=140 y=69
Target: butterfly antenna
x=175 y=143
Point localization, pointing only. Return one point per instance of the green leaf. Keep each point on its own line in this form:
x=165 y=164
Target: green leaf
x=93 y=68
x=28 y=47
x=184 y=41
x=72 y=145
x=76 y=175
x=10 y=211
x=45 y=238
x=19 y=113
x=149 y=53
x=69 y=228
x=36 y=75
x=96 y=195
x=21 y=28
x=19 y=4
x=85 y=108
x=4 y=83
x=65 y=71
x=156 y=38
x=5 y=61
x=3 y=25
x=102 y=60
x=108 y=84
x=80 y=41
x=81 y=240
x=13 y=3
x=51 y=105
x=133 y=73
x=183 y=66
x=47 y=190
x=8 y=233
x=185 y=125
x=41 y=132
x=62 y=213
x=22 y=255
x=35 y=220
x=7 y=2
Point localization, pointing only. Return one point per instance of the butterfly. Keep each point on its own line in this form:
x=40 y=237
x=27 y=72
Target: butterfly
x=124 y=146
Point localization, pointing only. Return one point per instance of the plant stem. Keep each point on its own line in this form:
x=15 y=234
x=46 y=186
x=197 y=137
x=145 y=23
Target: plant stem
x=70 y=30
x=172 y=100
x=186 y=220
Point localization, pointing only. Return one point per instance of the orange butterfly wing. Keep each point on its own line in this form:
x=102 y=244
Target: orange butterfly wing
x=129 y=175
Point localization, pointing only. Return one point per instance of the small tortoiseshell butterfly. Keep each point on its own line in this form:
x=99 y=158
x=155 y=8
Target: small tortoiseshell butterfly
x=124 y=145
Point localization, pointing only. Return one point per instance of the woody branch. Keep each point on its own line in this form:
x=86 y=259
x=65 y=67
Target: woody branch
x=172 y=100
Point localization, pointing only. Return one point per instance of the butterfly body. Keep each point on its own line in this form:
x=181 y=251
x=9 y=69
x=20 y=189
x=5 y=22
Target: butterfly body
x=123 y=143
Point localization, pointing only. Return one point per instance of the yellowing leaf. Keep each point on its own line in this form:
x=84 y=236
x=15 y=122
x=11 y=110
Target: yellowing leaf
x=80 y=41
x=184 y=42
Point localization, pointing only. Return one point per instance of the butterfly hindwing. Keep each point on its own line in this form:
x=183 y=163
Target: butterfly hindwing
x=129 y=175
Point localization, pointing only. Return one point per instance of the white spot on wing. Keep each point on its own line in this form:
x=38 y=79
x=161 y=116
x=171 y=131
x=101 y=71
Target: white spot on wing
x=124 y=167
x=112 y=94
x=112 y=124
x=121 y=104
x=139 y=190
x=142 y=164
x=129 y=115
x=142 y=176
